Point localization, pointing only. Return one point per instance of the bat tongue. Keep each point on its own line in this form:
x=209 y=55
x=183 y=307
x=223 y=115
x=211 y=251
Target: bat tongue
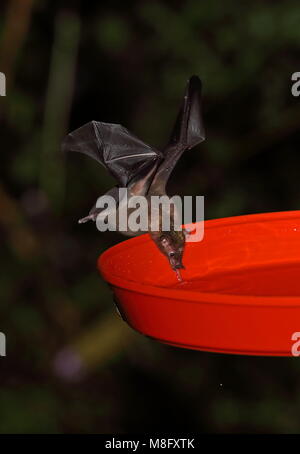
x=178 y=275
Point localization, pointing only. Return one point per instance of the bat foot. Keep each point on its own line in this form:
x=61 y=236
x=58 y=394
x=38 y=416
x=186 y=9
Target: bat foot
x=86 y=219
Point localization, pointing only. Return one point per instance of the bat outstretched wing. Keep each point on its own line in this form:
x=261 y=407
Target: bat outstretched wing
x=123 y=154
x=187 y=133
x=189 y=129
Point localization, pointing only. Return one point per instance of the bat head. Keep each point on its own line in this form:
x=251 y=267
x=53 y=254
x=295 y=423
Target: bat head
x=171 y=245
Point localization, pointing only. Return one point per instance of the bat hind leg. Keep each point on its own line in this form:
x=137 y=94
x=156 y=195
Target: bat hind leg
x=90 y=217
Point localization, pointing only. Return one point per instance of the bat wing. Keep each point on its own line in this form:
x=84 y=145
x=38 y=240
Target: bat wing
x=187 y=133
x=123 y=154
x=189 y=129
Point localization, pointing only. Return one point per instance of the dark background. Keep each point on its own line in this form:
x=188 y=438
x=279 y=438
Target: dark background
x=128 y=62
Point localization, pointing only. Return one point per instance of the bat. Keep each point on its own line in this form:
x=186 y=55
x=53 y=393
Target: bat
x=142 y=169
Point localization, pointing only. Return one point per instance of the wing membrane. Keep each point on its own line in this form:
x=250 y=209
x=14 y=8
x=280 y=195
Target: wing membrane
x=123 y=154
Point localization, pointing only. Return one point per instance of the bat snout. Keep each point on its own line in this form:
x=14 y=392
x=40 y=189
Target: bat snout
x=179 y=266
x=176 y=262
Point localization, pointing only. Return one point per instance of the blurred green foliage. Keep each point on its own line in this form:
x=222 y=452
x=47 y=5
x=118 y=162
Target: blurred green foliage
x=127 y=62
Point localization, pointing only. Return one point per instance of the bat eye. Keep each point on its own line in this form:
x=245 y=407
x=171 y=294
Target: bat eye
x=172 y=254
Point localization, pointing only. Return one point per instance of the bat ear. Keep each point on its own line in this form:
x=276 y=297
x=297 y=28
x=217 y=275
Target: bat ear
x=189 y=129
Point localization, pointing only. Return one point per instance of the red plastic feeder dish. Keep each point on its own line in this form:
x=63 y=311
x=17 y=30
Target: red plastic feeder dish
x=241 y=288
